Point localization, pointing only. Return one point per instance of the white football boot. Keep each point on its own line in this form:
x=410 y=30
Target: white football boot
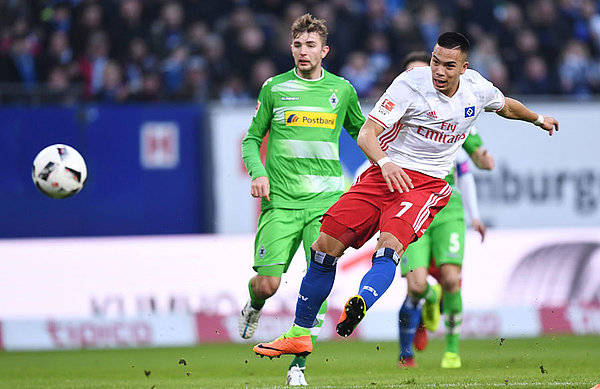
x=295 y=376
x=248 y=321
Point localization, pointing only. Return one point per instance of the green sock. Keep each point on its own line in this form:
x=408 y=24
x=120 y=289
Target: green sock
x=429 y=294
x=297 y=331
x=255 y=302
x=452 y=309
x=298 y=361
x=314 y=332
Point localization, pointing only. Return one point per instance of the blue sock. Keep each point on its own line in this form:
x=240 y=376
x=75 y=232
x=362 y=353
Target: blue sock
x=379 y=278
x=316 y=286
x=409 y=317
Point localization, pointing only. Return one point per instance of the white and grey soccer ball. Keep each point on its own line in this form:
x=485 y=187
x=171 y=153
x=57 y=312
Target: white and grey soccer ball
x=59 y=171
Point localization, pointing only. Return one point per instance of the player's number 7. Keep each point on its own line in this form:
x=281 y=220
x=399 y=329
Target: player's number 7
x=405 y=207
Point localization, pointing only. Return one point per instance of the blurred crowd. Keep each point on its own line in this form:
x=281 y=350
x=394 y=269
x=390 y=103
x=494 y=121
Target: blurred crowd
x=198 y=50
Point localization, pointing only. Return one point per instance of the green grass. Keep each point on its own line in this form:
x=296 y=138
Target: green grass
x=568 y=362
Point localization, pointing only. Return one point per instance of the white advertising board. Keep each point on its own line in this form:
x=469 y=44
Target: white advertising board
x=179 y=290
x=131 y=276
x=539 y=181
x=542 y=181
x=56 y=334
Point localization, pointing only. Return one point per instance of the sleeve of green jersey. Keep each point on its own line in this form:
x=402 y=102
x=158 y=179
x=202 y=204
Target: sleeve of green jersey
x=257 y=131
x=354 y=116
x=472 y=143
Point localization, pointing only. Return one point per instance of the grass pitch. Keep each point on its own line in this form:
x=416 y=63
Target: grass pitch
x=547 y=362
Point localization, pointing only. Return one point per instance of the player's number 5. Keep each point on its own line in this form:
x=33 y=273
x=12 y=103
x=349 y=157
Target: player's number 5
x=405 y=207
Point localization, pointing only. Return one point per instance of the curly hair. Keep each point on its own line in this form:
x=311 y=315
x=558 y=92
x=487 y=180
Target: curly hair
x=308 y=23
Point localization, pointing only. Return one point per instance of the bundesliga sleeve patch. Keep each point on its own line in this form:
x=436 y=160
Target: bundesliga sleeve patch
x=386 y=107
x=257 y=107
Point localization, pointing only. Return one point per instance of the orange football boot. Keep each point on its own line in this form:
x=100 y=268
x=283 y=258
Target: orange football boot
x=354 y=311
x=285 y=344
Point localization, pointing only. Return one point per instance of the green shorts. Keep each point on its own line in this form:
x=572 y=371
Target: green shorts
x=444 y=240
x=278 y=237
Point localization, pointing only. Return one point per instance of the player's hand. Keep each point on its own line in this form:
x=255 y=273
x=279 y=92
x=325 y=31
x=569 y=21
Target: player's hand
x=260 y=187
x=550 y=124
x=479 y=227
x=482 y=159
x=395 y=177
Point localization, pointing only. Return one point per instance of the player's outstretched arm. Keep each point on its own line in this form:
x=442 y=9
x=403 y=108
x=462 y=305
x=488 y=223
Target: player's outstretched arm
x=514 y=109
x=393 y=174
x=466 y=184
x=483 y=159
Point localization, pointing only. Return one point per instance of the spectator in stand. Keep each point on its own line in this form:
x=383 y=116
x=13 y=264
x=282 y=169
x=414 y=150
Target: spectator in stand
x=113 y=89
x=429 y=21
x=196 y=35
x=173 y=69
x=405 y=36
x=250 y=47
x=58 y=18
x=262 y=70
x=127 y=26
x=195 y=83
x=88 y=21
x=168 y=32
x=578 y=74
x=58 y=52
x=234 y=91
x=232 y=36
x=379 y=52
x=20 y=65
x=377 y=16
x=552 y=31
x=591 y=15
x=484 y=55
x=218 y=65
x=535 y=78
x=92 y=64
x=360 y=73
x=510 y=24
x=58 y=88
x=139 y=60
x=152 y=89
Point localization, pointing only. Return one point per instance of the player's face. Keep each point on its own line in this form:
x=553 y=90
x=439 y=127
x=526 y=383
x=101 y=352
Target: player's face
x=446 y=67
x=308 y=51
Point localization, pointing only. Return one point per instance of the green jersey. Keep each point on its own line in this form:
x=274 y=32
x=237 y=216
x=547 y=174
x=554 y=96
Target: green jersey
x=454 y=209
x=304 y=119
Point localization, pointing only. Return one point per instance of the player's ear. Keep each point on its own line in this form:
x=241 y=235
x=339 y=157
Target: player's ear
x=464 y=67
x=324 y=51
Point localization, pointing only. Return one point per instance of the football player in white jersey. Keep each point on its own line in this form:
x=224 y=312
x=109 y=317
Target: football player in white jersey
x=413 y=134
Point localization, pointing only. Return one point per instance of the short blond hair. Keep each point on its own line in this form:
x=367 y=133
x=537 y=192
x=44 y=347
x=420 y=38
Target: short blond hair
x=308 y=23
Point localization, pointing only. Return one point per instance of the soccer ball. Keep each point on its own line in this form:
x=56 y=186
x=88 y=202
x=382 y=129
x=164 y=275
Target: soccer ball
x=59 y=171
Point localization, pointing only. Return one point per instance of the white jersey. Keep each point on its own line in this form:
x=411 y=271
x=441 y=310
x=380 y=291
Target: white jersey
x=423 y=128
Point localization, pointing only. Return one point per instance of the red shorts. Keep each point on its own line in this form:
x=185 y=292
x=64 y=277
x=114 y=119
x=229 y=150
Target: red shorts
x=369 y=206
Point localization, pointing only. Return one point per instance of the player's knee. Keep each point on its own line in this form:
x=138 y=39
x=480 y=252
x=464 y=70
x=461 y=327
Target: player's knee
x=416 y=281
x=450 y=282
x=329 y=245
x=387 y=240
x=417 y=287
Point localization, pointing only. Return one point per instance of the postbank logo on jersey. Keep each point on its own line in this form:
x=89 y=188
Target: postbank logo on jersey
x=310 y=119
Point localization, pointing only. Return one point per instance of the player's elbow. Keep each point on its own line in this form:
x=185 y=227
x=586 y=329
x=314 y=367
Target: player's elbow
x=361 y=139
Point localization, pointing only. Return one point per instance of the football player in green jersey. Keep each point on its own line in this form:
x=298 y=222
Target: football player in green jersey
x=303 y=111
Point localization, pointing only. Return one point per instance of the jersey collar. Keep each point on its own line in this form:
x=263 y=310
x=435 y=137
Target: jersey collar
x=306 y=79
